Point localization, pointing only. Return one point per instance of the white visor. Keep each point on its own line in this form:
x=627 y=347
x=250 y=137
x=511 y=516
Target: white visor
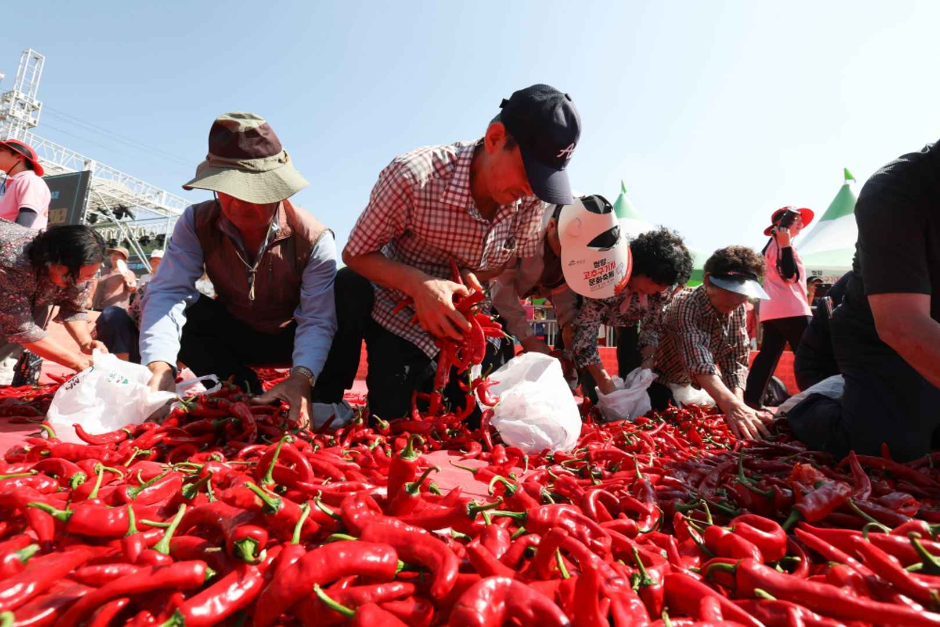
x=744 y=284
x=595 y=258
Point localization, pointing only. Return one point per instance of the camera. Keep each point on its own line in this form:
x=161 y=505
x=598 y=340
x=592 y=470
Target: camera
x=787 y=219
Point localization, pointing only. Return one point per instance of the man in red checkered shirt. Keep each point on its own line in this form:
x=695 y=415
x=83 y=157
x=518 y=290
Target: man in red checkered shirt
x=479 y=204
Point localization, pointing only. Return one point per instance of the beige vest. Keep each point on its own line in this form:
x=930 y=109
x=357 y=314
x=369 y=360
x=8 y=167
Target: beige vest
x=270 y=306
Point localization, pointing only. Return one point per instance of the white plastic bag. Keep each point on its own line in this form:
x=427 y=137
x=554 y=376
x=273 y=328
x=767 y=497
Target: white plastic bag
x=109 y=395
x=536 y=410
x=685 y=395
x=630 y=399
x=831 y=387
x=341 y=413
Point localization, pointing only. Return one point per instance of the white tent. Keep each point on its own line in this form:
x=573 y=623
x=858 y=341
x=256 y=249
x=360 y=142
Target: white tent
x=828 y=247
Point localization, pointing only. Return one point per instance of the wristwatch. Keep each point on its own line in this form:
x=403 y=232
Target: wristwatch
x=306 y=372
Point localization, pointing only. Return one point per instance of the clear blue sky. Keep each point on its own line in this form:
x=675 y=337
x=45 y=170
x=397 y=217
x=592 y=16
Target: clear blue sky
x=714 y=113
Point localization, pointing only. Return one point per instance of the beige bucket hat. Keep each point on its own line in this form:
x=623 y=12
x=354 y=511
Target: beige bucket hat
x=246 y=161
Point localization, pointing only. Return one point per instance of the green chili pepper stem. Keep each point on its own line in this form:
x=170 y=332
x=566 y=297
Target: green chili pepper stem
x=763 y=594
x=456 y=535
x=750 y=484
x=409 y=453
x=246 y=550
x=6 y=619
x=272 y=504
x=133 y=492
x=728 y=568
x=177 y=620
x=665 y=616
x=268 y=478
x=794 y=517
x=871 y=521
x=930 y=561
x=19 y=474
x=49 y=431
x=467 y=468
x=337 y=537
x=24 y=554
x=326 y=510
x=330 y=603
x=77 y=479
x=154 y=523
x=645 y=579
x=190 y=490
x=414 y=487
x=99 y=477
x=163 y=546
x=915 y=568
x=636 y=467
x=656 y=525
x=298 y=528
x=561 y=565
x=473 y=508
x=433 y=489
x=131 y=521
x=521 y=531
x=61 y=515
x=510 y=487
x=724 y=509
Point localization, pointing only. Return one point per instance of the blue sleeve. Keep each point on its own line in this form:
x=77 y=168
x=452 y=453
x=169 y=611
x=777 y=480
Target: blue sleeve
x=170 y=292
x=316 y=314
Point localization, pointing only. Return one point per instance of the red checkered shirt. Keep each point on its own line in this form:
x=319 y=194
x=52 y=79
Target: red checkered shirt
x=421 y=213
x=696 y=339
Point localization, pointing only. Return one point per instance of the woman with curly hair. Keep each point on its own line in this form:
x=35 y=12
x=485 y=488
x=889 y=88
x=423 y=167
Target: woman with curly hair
x=703 y=340
x=45 y=268
x=661 y=263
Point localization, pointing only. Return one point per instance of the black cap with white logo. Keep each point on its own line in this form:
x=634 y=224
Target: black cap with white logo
x=547 y=127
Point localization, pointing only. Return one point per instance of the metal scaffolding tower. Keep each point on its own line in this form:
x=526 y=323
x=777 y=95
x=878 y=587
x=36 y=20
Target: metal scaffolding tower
x=112 y=191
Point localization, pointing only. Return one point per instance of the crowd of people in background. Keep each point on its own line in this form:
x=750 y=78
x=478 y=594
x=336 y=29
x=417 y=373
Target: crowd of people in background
x=248 y=264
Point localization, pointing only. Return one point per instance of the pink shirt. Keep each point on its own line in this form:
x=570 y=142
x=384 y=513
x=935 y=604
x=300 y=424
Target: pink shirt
x=25 y=189
x=787 y=297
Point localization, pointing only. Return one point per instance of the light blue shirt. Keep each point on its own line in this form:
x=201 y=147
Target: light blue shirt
x=173 y=289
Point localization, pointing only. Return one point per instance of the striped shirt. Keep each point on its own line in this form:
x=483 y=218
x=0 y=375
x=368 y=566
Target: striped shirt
x=421 y=213
x=697 y=339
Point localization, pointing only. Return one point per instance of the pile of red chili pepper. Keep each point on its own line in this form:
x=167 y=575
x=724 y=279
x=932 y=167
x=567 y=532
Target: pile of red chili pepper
x=226 y=515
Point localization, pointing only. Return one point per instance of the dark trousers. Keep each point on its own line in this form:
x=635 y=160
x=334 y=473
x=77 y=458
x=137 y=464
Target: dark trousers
x=777 y=333
x=884 y=401
x=814 y=360
x=215 y=342
x=628 y=350
x=117 y=331
x=397 y=368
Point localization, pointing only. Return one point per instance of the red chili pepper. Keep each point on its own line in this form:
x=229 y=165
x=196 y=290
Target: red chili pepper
x=322 y=565
x=112 y=437
x=244 y=538
x=232 y=593
x=822 y=597
x=404 y=467
x=768 y=536
x=415 y=546
x=495 y=600
x=178 y=576
x=40 y=574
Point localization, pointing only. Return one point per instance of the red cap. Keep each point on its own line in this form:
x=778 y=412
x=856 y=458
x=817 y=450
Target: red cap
x=27 y=151
x=807 y=216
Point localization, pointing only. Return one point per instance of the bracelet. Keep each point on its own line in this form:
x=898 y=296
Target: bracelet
x=304 y=371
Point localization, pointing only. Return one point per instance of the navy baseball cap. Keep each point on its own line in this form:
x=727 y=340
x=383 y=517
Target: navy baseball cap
x=547 y=127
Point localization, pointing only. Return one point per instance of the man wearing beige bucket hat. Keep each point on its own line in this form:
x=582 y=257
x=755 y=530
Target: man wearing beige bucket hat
x=272 y=265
